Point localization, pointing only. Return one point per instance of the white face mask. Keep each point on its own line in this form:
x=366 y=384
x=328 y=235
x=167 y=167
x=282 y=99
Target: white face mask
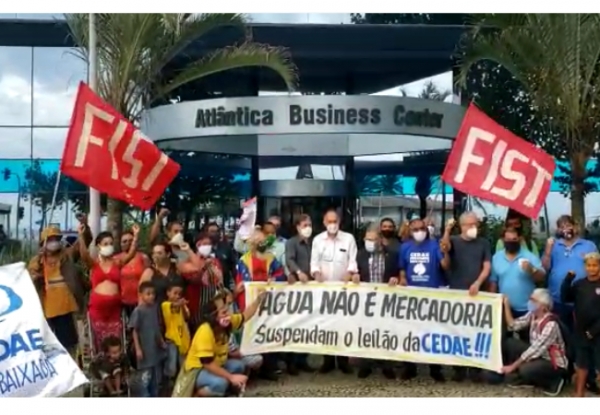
x=471 y=233
x=107 y=251
x=370 y=246
x=177 y=239
x=305 y=232
x=431 y=230
x=53 y=246
x=332 y=228
x=419 y=236
x=205 y=250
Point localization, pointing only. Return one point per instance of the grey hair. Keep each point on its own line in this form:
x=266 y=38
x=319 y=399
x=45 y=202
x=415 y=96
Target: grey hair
x=542 y=296
x=592 y=256
x=466 y=215
x=373 y=227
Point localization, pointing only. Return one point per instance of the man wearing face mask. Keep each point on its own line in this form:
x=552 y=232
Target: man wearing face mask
x=377 y=264
x=543 y=362
x=297 y=258
x=223 y=252
x=59 y=284
x=333 y=258
x=421 y=262
x=516 y=221
x=470 y=265
x=387 y=229
x=562 y=255
x=276 y=221
x=515 y=272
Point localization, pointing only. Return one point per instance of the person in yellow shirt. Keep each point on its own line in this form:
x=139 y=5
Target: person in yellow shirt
x=175 y=315
x=210 y=348
x=59 y=284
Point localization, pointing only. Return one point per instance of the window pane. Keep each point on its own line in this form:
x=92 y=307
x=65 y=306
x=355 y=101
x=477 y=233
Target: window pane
x=15 y=143
x=297 y=168
x=48 y=143
x=10 y=220
x=56 y=74
x=15 y=86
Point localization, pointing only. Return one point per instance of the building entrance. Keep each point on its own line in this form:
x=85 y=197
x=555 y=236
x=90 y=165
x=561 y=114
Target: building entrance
x=290 y=208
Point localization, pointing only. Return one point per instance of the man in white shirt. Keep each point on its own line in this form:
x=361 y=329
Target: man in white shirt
x=333 y=258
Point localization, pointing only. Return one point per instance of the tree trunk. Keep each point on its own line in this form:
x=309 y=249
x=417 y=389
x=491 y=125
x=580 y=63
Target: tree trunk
x=114 y=222
x=578 y=174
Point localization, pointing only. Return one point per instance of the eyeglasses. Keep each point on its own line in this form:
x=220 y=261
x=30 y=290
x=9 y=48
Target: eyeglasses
x=418 y=229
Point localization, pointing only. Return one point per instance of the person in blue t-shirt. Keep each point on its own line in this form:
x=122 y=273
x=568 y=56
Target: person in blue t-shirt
x=515 y=272
x=421 y=262
x=563 y=255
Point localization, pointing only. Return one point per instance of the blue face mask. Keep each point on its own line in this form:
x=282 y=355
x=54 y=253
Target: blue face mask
x=531 y=306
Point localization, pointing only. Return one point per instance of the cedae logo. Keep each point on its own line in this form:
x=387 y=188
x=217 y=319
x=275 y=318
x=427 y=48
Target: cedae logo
x=10 y=301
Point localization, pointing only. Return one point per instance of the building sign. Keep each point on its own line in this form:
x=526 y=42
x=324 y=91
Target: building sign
x=330 y=115
x=314 y=115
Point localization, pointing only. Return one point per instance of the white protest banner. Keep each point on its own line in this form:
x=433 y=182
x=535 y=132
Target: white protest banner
x=376 y=321
x=32 y=361
x=248 y=219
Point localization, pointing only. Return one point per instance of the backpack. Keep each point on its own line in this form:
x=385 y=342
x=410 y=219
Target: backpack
x=564 y=333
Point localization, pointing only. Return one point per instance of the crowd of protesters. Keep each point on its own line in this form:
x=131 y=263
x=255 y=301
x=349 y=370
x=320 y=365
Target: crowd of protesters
x=184 y=302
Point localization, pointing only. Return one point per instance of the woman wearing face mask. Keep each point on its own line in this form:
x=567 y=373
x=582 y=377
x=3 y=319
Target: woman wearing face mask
x=59 y=285
x=215 y=373
x=258 y=264
x=210 y=277
x=105 y=275
x=131 y=273
x=421 y=264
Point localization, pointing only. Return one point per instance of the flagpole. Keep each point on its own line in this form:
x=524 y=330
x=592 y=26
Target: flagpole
x=94 y=214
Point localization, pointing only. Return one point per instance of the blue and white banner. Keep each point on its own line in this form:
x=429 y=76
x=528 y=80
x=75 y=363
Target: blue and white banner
x=32 y=361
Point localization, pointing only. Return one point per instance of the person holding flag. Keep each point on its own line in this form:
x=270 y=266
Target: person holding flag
x=59 y=284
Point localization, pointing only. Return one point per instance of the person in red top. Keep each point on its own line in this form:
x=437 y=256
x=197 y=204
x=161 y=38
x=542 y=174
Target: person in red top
x=261 y=266
x=256 y=265
x=131 y=273
x=104 y=307
x=211 y=274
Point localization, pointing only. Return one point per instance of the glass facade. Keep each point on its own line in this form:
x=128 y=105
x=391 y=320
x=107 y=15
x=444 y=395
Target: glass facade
x=37 y=92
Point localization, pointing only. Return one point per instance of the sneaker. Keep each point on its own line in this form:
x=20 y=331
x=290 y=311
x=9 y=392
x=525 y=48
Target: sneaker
x=556 y=389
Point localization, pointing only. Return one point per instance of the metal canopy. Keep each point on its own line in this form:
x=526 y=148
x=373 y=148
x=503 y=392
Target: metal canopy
x=330 y=58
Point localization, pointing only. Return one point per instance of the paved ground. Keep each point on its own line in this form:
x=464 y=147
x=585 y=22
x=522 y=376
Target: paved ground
x=339 y=385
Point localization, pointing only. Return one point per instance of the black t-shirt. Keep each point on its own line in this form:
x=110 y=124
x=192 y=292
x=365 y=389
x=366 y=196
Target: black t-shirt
x=466 y=261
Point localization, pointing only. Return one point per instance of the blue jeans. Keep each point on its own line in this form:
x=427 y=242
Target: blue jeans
x=174 y=360
x=216 y=385
x=150 y=380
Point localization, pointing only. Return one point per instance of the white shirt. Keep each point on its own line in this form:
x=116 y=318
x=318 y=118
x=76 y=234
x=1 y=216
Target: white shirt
x=333 y=257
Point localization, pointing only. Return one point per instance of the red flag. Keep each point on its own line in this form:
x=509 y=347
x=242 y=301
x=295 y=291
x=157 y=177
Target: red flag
x=106 y=152
x=490 y=162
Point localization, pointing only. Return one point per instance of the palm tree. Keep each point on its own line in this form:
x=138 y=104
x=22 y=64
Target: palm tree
x=424 y=184
x=556 y=58
x=430 y=91
x=134 y=51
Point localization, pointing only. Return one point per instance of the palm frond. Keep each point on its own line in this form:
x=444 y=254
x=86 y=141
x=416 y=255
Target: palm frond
x=234 y=57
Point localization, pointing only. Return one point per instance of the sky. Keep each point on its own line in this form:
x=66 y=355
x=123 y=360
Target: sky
x=56 y=74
